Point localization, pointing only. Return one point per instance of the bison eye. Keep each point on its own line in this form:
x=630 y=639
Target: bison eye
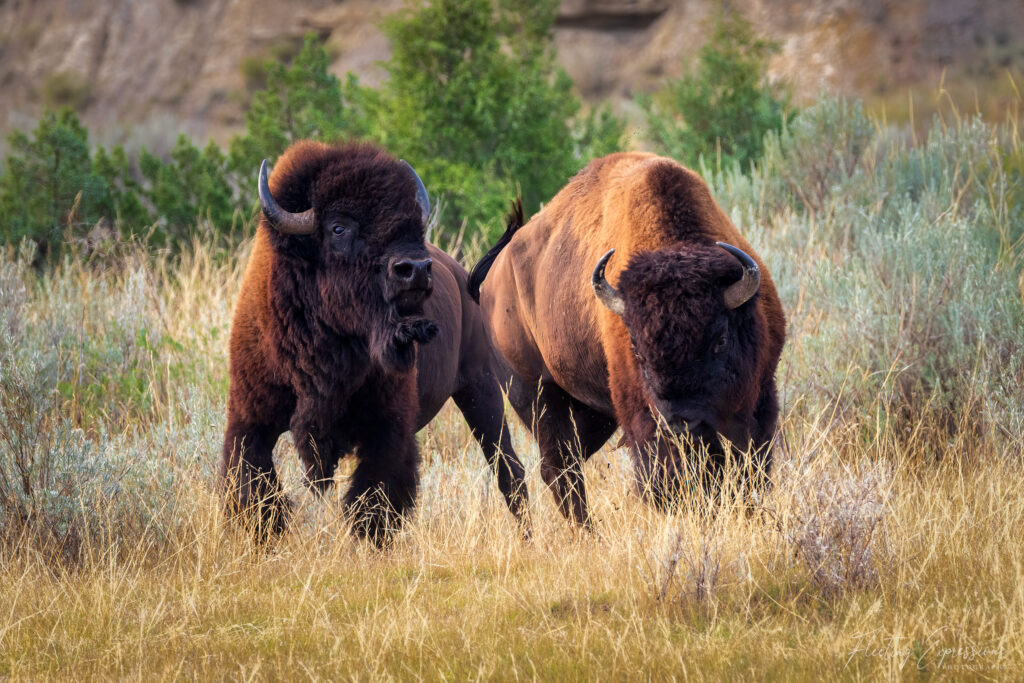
x=338 y=229
x=719 y=345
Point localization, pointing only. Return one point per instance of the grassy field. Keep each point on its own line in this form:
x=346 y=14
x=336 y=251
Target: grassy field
x=889 y=546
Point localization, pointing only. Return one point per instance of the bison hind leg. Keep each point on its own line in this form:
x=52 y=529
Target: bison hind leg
x=480 y=402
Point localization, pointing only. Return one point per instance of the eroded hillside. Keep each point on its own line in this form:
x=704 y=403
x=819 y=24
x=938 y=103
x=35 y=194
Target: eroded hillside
x=144 y=70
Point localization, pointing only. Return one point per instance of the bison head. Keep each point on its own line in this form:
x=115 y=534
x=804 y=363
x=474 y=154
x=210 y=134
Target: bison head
x=695 y=334
x=348 y=223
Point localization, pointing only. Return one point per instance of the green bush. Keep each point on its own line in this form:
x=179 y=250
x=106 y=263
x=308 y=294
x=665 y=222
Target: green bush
x=900 y=264
x=302 y=100
x=49 y=184
x=192 y=186
x=723 y=107
x=125 y=191
x=477 y=103
x=54 y=188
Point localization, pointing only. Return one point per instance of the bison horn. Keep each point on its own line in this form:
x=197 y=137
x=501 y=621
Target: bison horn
x=740 y=292
x=421 y=193
x=607 y=294
x=283 y=221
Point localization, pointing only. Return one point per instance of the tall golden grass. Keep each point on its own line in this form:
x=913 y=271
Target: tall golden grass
x=461 y=596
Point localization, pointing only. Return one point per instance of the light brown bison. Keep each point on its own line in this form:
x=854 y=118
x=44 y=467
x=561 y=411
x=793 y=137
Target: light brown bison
x=330 y=340
x=683 y=335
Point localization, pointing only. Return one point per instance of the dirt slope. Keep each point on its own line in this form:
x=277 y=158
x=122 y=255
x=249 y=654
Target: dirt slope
x=143 y=70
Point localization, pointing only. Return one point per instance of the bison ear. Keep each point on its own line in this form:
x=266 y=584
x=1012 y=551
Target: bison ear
x=422 y=198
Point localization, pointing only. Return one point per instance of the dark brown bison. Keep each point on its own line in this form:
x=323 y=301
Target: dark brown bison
x=330 y=340
x=682 y=337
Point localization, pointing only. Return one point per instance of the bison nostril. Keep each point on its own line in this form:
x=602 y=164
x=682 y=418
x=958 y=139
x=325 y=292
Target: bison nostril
x=411 y=273
x=688 y=421
x=423 y=269
x=402 y=270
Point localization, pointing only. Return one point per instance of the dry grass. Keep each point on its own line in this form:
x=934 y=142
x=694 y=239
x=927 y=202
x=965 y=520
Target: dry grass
x=995 y=96
x=889 y=545
x=460 y=596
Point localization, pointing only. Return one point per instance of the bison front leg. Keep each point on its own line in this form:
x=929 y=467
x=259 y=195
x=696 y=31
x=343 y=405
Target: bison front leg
x=249 y=482
x=319 y=448
x=384 y=484
x=568 y=433
x=766 y=420
x=666 y=464
x=383 y=487
x=657 y=478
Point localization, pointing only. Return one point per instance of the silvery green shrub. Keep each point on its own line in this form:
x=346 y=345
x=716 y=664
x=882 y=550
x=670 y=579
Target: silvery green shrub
x=899 y=266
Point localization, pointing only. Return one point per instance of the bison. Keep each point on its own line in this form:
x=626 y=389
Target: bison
x=351 y=332
x=682 y=338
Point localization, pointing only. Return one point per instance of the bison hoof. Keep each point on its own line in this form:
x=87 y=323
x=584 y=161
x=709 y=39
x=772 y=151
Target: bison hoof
x=263 y=519
x=376 y=526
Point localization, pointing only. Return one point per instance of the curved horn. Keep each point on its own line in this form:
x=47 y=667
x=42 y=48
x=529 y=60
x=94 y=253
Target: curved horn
x=421 y=193
x=607 y=294
x=283 y=221
x=740 y=292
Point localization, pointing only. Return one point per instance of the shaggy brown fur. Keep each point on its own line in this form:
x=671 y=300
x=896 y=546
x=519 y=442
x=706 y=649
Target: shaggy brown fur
x=678 y=356
x=325 y=339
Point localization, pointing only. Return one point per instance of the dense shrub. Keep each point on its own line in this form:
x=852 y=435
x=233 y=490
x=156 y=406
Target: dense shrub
x=93 y=390
x=193 y=185
x=300 y=100
x=805 y=172
x=476 y=101
x=724 y=105
x=900 y=264
x=125 y=190
x=49 y=183
x=54 y=188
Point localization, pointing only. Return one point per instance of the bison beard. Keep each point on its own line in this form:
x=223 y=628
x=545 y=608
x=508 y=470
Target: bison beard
x=325 y=343
x=393 y=342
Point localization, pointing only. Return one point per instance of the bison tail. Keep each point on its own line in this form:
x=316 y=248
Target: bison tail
x=480 y=270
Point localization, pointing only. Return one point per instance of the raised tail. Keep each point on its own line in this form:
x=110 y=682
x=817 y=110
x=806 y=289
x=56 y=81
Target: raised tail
x=480 y=270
